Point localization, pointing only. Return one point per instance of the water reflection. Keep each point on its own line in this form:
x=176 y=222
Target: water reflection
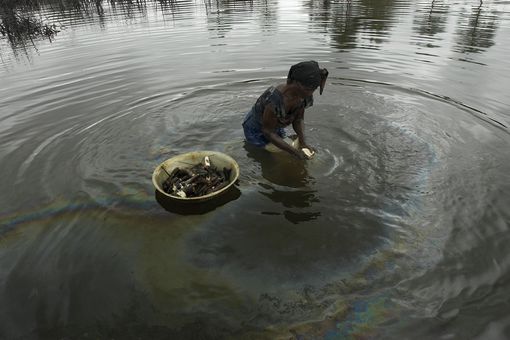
x=478 y=33
x=222 y=15
x=364 y=23
x=19 y=27
x=432 y=19
x=279 y=168
x=199 y=208
x=22 y=22
x=293 y=184
x=340 y=18
x=351 y=24
x=300 y=200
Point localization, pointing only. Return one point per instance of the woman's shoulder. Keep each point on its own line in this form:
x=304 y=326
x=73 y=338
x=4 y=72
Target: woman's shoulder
x=274 y=97
x=274 y=92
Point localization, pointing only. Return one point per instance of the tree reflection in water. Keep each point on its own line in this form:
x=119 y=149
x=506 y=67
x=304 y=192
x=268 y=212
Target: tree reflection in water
x=432 y=19
x=351 y=24
x=477 y=34
x=345 y=20
x=19 y=26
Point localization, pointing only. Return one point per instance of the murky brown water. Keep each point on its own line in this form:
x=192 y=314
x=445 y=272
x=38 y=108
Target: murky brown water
x=398 y=229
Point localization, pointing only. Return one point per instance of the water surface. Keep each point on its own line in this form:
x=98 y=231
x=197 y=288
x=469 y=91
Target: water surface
x=397 y=229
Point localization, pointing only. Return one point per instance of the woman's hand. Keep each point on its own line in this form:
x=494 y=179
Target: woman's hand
x=299 y=154
x=304 y=145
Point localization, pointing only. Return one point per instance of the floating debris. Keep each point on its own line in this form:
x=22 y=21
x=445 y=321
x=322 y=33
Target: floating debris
x=199 y=180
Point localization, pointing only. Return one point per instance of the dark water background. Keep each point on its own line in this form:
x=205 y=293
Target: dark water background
x=398 y=229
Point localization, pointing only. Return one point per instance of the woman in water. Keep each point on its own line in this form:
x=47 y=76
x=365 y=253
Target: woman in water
x=283 y=105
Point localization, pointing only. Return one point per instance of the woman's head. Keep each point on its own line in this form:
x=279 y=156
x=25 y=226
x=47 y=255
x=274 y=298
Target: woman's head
x=308 y=74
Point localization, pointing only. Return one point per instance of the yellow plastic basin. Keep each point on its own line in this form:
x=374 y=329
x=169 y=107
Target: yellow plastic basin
x=188 y=160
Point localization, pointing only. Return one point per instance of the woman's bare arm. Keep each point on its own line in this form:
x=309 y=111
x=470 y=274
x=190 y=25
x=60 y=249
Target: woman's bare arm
x=298 y=126
x=269 y=125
